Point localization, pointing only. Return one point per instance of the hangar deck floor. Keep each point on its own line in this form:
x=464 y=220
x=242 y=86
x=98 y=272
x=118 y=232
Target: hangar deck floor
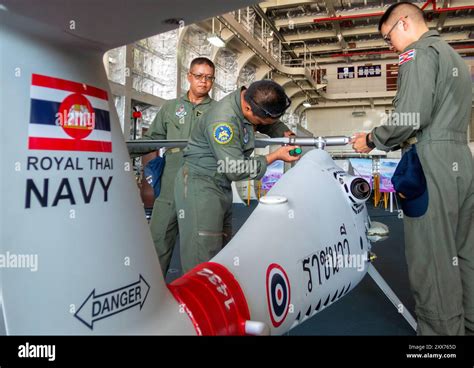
x=365 y=310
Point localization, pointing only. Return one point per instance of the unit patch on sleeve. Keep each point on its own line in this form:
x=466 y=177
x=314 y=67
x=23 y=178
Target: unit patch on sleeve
x=223 y=133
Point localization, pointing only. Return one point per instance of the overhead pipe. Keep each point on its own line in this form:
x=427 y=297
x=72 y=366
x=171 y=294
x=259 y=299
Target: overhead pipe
x=445 y=10
x=428 y=2
x=379 y=14
x=460 y=47
x=456 y=8
x=345 y=17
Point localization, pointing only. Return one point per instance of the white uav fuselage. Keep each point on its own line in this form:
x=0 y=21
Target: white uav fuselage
x=70 y=203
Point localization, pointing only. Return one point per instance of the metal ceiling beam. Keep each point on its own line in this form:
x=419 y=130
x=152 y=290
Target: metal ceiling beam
x=368 y=44
x=294 y=21
x=378 y=43
x=323 y=62
x=468 y=6
x=336 y=26
x=310 y=19
x=369 y=55
x=456 y=37
x=337 y=18
x=275 y=4
x=362 y=53
x=455 y=8
x=362 y=13
x=382 y=55
x=442 y=17
x=371 y=30
x=309 y=35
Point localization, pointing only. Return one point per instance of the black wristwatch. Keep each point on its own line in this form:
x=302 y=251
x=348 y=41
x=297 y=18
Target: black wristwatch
x=368 y=142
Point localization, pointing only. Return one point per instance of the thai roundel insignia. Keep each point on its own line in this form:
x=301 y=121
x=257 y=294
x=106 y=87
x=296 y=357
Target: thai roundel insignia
x=223 y=133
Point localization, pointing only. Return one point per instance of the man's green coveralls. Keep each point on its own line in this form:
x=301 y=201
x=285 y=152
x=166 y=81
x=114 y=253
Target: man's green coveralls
x=174 y=121
x=218 y=153
x=434 y=81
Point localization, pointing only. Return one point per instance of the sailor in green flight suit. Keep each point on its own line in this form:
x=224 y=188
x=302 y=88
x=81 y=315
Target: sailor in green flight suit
x=175 y=121
x=218 y=153
x=434 y=91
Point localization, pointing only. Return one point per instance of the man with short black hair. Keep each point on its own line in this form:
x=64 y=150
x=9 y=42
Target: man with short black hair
x=437 y=197
x=175 y=120
x=218 y=153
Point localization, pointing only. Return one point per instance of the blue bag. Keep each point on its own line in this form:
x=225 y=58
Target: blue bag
x=153 y=171
x=409 y=180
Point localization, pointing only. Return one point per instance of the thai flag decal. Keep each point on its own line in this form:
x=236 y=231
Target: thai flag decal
x=68 y=116
x=406 y=56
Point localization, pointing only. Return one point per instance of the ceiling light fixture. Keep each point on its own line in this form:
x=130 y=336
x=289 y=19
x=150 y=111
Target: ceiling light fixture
x=214 y=38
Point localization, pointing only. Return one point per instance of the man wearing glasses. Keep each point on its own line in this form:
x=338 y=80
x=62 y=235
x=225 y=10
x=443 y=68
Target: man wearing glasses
x=218 y=153
x=175 y=121
x=434 y=86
